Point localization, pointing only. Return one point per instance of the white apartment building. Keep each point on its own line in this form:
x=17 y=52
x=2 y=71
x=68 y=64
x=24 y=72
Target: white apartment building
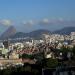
x=72 y=35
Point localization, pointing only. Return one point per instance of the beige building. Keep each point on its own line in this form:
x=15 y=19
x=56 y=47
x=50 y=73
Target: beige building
x=14 y=55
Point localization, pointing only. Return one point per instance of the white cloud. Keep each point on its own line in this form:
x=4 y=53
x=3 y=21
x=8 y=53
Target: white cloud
x=36 y=22
x=5 y=22
x=29 y=23
x=44 y=21
x=49 y=22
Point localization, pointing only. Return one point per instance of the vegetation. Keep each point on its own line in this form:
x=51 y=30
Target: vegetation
x=73 y=51
x=25 y=56
x=51 y=63
x=36 y=69
x=26 y=69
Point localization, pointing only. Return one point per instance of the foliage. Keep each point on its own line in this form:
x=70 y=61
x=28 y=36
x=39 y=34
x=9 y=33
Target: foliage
x=51 y=63
x=27 y=56
x=73 y=50
x=65 y=49
x=23 y=70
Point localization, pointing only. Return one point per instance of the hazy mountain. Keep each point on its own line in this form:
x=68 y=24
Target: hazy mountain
x=65 y=30
x=8 y=33
x=38 y=33
x=11 y=33
x=34 y=34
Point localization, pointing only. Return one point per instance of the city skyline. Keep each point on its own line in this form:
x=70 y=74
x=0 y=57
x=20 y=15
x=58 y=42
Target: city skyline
x=28 y=15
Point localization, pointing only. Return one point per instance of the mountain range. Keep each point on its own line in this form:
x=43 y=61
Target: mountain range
x=65 y=30
x=12 y=33
x=34 y=34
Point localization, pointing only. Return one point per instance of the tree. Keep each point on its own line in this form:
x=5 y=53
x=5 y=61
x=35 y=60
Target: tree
x=51 y=63
x=73 y=51
x=65 y=50
x=26 y=56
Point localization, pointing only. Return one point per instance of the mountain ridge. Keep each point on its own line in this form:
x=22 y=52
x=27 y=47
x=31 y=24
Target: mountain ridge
x=65 y=30
x=12 y=33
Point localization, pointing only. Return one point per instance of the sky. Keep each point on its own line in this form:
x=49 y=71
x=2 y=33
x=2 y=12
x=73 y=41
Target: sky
x=29 y=15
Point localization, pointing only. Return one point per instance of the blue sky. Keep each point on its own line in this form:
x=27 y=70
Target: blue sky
x=28 y=15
